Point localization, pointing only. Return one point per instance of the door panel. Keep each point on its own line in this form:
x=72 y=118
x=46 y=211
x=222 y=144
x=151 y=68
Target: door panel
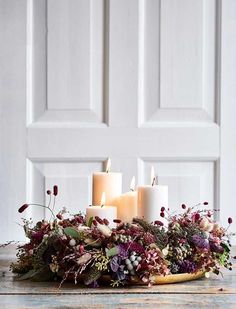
x=142 y=82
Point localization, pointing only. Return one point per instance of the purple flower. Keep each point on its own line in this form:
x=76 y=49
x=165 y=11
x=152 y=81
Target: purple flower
x=187 y=266
x=200 y=242
x=120 y=273
x=114 y=264
x=123 y=252
x=216 y=247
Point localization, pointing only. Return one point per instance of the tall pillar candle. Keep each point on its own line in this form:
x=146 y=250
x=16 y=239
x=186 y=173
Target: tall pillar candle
x=150 y=200
x=110 y=183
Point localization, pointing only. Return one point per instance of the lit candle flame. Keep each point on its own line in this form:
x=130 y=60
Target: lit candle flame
x=132 y=184
x=108 y=167
x=103 y=199
x=153 y=177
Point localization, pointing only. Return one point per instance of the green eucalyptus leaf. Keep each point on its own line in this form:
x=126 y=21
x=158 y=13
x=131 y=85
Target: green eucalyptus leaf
x=112 y=252
x=70 y=231
x=28 y=275
x=90 y=221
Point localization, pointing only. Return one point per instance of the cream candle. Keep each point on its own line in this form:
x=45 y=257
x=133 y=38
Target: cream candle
x=103 y=211
x=127 y=204
x=151 y=198
x=110 y=183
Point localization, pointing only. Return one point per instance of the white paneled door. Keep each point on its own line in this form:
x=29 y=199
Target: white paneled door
x=144 y=82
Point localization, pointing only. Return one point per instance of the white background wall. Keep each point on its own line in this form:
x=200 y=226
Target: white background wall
x=145 y=82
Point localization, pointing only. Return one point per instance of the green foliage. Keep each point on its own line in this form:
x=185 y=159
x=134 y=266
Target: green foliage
x=90 y=221
x=43 y=274
x=70 y=231
x=112 y=252
x=158 y=232
x=93 y=274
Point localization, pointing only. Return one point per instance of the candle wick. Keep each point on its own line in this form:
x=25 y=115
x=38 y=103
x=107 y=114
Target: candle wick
x=131 y=189
x=102 y=205
x=153 y=181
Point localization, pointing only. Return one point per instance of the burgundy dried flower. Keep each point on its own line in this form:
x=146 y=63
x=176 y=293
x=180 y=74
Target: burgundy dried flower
x=148 y=238
x=205 y=203
x=134 y=246
x=183 y=206
x=38 y=236
x=49 y=192
x=23 y=208
x=197 y=217
x=55 y=190
x=230 y=220
x=163 y=209
x=157 y=222
x=162 y=214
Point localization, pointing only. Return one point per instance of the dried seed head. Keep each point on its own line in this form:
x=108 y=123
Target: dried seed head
x=55 y=190
x=157 y=222
x=105 y=221
x=23 y=208
x=117 y=221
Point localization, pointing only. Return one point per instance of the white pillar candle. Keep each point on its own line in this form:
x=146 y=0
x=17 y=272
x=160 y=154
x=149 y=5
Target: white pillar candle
x=126 y=204
x=110 y=183
x=102 y=211
x=150 y=200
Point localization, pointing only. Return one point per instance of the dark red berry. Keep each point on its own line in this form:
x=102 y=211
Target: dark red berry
x=55 y=190
x=23 y=208
x=59 y=216
x=183 y=206
x=105 y=221
x=230 y=220
x=157 y=222
x=162 y=214
x=95 y=223
x=197 y=216
x=163 y=209
x=99 y=220
x=205 y=203
x=117 y=221
x=49 y=192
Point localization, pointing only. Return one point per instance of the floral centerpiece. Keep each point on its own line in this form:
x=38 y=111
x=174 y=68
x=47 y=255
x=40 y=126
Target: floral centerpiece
x=67 y=247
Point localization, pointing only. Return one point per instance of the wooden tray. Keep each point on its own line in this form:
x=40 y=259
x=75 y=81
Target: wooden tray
x=155 y=279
